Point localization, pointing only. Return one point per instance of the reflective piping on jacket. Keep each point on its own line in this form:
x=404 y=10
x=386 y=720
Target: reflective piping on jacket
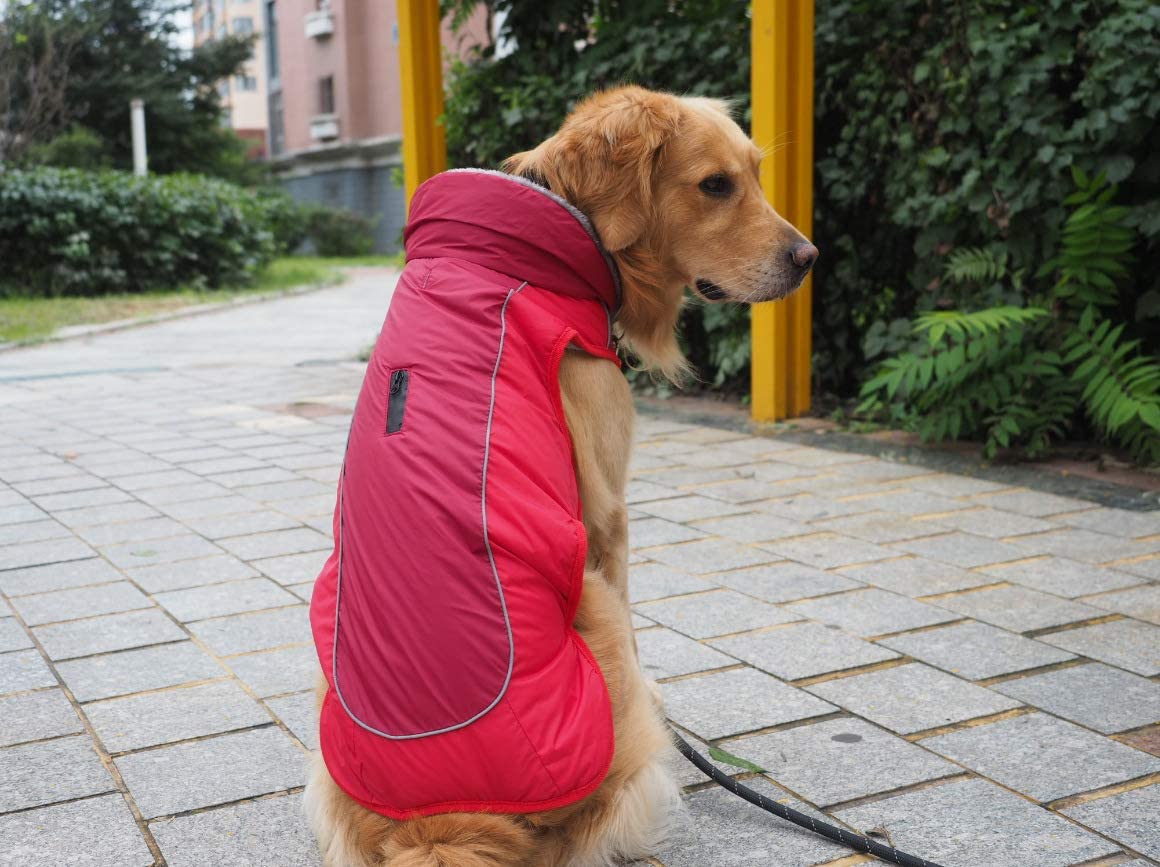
x=490 y=556
x=580 y=216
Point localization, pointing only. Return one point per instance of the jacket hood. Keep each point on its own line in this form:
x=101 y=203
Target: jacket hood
x=514 y=226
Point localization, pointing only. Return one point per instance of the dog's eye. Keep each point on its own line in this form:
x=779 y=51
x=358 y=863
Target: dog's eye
x=717 y=185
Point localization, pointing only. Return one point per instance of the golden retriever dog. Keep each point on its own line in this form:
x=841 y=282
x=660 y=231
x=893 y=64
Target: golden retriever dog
x=671 y=185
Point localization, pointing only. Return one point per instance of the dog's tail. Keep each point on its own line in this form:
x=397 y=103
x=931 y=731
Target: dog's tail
x=460 y=840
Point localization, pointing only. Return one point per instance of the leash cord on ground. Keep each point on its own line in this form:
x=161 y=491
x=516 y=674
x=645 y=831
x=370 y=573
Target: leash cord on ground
x=846 y=838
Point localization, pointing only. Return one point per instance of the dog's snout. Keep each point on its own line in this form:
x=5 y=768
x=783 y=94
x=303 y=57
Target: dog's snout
x=804 y=255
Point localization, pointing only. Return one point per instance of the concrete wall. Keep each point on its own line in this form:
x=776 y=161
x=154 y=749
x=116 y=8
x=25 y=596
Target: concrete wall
x=356 y=176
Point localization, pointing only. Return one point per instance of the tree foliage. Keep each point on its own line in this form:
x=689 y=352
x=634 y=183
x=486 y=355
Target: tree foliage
x=121 y=49
x=940 y=126
x=1024 y=377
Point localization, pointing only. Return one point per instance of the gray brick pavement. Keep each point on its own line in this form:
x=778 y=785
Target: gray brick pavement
x=161 y=529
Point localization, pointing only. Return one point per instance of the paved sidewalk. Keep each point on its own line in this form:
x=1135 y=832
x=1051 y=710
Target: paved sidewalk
x=967 y=669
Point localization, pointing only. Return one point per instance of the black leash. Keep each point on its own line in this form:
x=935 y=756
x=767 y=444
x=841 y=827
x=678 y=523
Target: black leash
x=838 y=835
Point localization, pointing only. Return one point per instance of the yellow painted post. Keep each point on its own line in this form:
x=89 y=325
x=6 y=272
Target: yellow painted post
x=783 y=126
x=421 y=77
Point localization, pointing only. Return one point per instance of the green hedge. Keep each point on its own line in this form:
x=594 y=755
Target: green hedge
x=67 y=231
x=938 y=126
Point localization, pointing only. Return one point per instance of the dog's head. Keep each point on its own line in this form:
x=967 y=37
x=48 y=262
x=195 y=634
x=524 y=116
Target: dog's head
x=671 y=185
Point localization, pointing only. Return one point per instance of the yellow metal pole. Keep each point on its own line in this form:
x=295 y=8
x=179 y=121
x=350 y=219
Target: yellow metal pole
x=421 y=77
x=782 y=82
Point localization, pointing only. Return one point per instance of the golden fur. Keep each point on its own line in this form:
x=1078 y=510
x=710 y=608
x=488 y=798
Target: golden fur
x=633 y=161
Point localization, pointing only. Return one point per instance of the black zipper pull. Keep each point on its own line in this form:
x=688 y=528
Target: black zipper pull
x=397 y=399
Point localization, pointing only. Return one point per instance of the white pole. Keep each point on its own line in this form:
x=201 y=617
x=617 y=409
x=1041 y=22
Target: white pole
x=140 y=159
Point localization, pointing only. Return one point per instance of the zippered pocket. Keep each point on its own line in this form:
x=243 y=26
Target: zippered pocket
x=397 y=399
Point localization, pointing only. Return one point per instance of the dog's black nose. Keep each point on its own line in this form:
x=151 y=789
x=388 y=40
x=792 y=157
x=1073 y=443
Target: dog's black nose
x=804 y=255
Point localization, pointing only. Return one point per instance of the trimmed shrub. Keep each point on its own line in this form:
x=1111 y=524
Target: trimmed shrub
x=66 y=231
x=338 y=232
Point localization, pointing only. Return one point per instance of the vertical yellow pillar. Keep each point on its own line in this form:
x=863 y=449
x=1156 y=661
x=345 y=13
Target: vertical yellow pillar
x=783 y=126
x=421 y=77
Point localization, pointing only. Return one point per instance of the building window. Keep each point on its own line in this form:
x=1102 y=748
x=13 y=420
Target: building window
x=223 y=31
x=326 y=95
x=245 y=82
x=244 y=25
x=223 y=89
x=272 y=41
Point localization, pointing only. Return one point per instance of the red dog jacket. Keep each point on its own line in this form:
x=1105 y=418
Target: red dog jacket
x=443 y=619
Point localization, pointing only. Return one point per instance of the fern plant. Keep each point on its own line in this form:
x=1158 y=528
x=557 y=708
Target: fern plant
x=1023 y=377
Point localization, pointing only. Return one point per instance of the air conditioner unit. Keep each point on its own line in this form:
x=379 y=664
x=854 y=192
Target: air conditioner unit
x=320 y=24
x=324 y=127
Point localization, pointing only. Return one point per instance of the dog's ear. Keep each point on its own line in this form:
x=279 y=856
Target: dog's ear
x=603 y=160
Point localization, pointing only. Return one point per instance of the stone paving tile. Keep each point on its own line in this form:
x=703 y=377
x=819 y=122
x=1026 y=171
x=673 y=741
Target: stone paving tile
x=1146 y=739
x=915 y=576
x=76 y=500
x=298 y=489
x=216 y=600
x=43 y=773
x=189 y=511
x=785 y=582
x=882 y=527
x=753 y=527
x=161 y=497
x=719 y=612
x=740 y=491
x=1043 y=757
x=279 y=542
x=1017 y=608
x=1116 y=522
x=1123 y=643
x=239 y=836
x=913 y=503
x=1033 y=503
x=972 y=823
x=1105 y=699
x=165 y=577
x=647 y=532
x=11 y=534
x=828 y=550
x=710 y=555
x=949 y=485
x=20 y=513
x=104 y=634
x=962 y=549
x=303 y=591
x=715 y=832
x=976 y=651
x=80 y=602
x=811 y=457
x=160 y=479
x=106 y=513
x=23 y=669
x=1129 y=817
x=732 y=702
x=657 y=581
x=104 y=535
x=883 y=471
x=1148 y=568
x=1086 y=545
x=689 y=508
x=213 y=771
x=262 y=630
x=36 y=716
x=871 y=612
x=839 y=760
x=95 y=832
x=808 y=507
x=275 y=672
x=806 y=650
x=133 y=555
x=1063 y=577
x=243 y=524
x=912 y=698
x=72 y=482
x=1142 y=603
x=664 y=653
x=12 y=636
x=994 y=523
x=45 y=551
x=116 y=674
x=299 y=713
x=245 y=478
x=639 y=491
x=154 y=718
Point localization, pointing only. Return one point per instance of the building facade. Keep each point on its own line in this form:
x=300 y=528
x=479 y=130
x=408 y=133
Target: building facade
x=334 y=103
x=244 y=96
